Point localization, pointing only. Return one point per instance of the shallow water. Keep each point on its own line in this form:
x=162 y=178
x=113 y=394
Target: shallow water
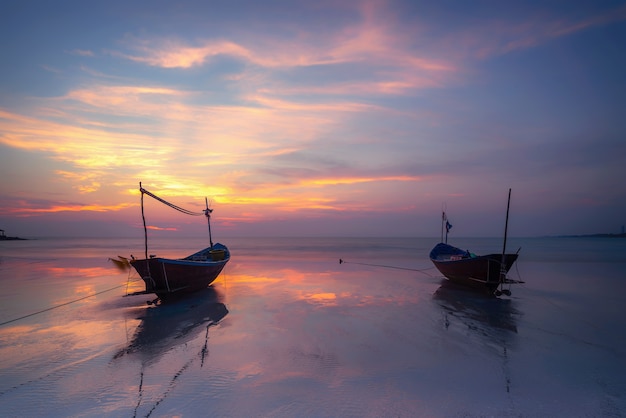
x=287 y=330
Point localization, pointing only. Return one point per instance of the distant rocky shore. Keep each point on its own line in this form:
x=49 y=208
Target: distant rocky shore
x=3 y=237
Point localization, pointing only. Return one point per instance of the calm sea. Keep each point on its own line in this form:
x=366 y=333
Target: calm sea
x=286 y=330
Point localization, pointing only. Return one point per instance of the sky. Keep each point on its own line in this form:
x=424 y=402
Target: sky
x=313 y=118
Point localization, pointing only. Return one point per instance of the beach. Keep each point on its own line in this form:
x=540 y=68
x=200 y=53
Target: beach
x=286 y=330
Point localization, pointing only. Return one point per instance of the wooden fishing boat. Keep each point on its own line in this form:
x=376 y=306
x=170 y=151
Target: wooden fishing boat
x=167 y=277
x=464 y=267
x=482 y=271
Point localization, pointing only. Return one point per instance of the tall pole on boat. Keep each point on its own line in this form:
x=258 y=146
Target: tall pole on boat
x=207 y=213
x=443 y=217
x=145 y=230
x=506 y=227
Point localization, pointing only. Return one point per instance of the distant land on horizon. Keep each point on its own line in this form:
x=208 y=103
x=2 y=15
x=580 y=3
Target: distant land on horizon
x=4 y=237
x=622 y=235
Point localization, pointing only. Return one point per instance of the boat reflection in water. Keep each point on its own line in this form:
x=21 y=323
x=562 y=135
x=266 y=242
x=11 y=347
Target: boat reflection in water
x=487 y=315
x=175 y=322
x=488 y=324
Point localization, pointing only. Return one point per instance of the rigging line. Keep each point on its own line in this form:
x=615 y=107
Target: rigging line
x=173 y=206
x=423 y=271
x=60 y=305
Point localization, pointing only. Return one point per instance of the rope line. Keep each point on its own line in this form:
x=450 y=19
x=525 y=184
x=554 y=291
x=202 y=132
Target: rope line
x=60 y=305
x=171 y=205
x=423 y=271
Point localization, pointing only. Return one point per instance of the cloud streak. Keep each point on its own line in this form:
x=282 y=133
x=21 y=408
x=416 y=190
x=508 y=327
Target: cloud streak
x=500 y=37
x=25 y=208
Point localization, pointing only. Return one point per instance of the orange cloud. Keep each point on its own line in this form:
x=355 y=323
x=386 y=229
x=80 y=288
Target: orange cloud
x=27 y=211
x=158 y=228
x=82 y=146
x=124 y=98
x=169 y=53
x=87 y=181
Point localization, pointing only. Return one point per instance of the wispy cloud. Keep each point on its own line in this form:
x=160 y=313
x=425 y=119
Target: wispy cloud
x=356 y=180
x=500 y=36
x=172 y=53
x=126 y=100
x=81 y=52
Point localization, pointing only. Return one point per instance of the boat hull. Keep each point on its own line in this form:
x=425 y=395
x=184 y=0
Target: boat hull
x=462 y=267
x=167 y=277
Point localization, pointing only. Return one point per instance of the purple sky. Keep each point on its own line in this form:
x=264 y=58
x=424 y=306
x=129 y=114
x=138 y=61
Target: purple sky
x=313 y=118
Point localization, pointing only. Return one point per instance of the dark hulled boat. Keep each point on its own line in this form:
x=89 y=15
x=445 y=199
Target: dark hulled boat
x=463 y=267
x=167 y=277
x=486 y=272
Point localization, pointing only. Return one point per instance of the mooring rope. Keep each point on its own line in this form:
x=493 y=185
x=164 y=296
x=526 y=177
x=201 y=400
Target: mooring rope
x=60 y=305
x=423 y=271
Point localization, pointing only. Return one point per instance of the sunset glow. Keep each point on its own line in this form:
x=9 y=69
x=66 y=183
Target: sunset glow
x=363 y=118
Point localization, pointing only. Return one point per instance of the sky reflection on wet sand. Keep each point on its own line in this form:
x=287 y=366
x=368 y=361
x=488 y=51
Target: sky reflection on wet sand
x=307 y=336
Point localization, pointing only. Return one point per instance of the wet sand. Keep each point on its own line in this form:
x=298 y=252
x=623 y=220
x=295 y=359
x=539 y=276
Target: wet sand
x=298 y=334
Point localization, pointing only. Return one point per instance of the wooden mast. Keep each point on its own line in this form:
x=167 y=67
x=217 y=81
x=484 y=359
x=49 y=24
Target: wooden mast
x=207 y=213
x=506 y=227
x=145 y=230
